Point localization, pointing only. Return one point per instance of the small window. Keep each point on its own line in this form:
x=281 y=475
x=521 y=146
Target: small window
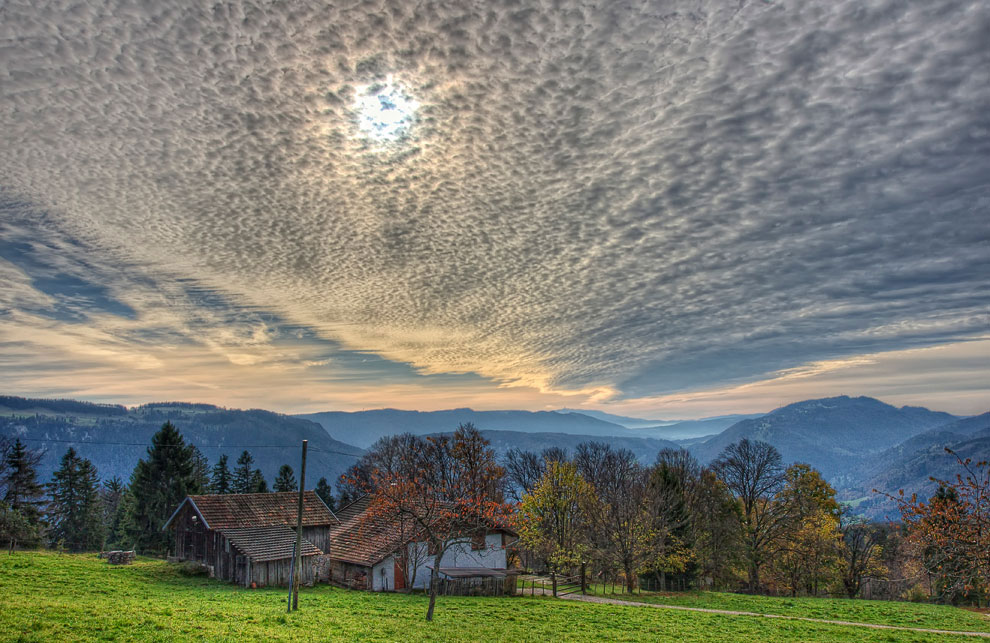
x=478 y=541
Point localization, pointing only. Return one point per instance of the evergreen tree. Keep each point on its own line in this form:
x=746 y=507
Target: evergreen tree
x=112 y=499
x=75 y=513
x=286 y=480
x=14 y=527
x=258 y=482
x=222 y=482
x=243 y=473
x=325 y=493
x=23 y=492
x=158 y=485
x=201 y=469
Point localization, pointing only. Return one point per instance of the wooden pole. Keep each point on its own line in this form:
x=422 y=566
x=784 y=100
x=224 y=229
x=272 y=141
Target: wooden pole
x=297 y=563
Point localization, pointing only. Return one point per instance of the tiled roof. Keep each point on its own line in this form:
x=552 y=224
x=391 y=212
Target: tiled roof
x=233 y=510
x=364 y=541
x=267 y=543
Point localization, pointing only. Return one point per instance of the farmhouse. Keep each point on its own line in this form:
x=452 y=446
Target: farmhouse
x=380 y=554
x=249 y=537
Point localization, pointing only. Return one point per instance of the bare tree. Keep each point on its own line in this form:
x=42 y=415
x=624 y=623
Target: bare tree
x=622 y=520
x=861 y=554
x=755 y=474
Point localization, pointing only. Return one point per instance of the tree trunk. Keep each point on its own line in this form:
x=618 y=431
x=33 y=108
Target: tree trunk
x=754 y=577
x=629 y=577
x=433 y=585
x=584 y=580
x=553 y=579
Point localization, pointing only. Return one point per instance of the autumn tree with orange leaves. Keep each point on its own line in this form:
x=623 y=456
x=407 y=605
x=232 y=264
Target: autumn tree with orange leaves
x=953 y=531
x=448 y=488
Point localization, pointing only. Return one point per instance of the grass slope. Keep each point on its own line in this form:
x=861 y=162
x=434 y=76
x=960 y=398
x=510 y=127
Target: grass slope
x=45 y=596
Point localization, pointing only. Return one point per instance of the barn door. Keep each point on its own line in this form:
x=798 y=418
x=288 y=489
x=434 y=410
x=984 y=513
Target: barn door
x=399 y=575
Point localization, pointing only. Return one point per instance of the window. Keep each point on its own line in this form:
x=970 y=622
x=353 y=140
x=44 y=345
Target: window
x=478 y=541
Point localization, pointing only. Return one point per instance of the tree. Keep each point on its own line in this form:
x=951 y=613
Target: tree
x=325 y=492
x=286 y=479
x=112 y=500
x=554 y=517
x=201 y=468
x=718 y=531
x=862 y=555
x=15 y=527
x=158 y=484
x=670 y=491
x=524 y=469
x=621 y=522
x=258 y=482
x=221 y=482
x=446 y=488
x=75 y=513
x=808 y=551
x=22 y=491
x=953 y=530
x=754 y=473
x=243 y=473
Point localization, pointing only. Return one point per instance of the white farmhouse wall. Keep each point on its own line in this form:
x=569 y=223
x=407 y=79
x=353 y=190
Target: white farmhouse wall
x=460 y=554
x=383 y=575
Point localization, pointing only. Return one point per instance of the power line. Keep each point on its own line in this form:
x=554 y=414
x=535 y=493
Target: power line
x=199 y=446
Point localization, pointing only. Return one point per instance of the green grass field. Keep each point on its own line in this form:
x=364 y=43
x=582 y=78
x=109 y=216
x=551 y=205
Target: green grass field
x=46 y=596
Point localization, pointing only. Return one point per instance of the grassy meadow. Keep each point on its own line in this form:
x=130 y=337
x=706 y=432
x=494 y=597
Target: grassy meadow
x=46 y=596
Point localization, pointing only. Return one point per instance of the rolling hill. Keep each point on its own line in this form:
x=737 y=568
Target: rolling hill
x=114 y=437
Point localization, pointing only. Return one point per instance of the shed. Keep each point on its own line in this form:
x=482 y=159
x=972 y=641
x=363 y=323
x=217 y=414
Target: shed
x=249 y=538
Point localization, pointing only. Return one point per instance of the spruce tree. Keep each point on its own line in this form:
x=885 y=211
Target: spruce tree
x=286 y=480
x=75 y=513
x=23 y=492
x=258 y=482
x=325 y=493
x=158 y=484
x=201 y=469
x=112 y=498
x=221 y=482
x=243 y=473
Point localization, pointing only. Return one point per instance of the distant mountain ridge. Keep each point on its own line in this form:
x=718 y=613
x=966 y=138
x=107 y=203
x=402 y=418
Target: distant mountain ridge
x=363 y=428
x=115 y=437
x=833 y=434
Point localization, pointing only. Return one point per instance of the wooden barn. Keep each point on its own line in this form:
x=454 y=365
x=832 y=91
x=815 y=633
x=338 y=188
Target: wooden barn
x=249 y=537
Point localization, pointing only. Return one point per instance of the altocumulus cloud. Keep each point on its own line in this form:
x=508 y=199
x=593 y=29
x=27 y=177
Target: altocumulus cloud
x=616 y=199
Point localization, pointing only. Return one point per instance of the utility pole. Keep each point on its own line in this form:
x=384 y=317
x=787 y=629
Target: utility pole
x=297 y=563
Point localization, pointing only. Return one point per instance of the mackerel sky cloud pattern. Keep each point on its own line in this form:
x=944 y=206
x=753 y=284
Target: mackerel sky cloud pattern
x=606 y=200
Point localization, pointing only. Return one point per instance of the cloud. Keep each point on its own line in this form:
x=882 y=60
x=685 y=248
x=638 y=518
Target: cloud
x=608 y=201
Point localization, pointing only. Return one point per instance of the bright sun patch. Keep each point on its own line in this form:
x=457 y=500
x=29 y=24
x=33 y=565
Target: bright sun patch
x=385 y=110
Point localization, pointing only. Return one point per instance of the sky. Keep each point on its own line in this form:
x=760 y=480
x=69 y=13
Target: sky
x=664 y=209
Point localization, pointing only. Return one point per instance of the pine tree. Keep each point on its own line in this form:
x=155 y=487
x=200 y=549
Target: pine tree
x=201 y=468
x=112 y=499
x=24 y=494
x=75 y=512
x=258 y=482
x=221 y=482
x=325 y=493
x=158 y=485
x=243 y=473
x=286 y=480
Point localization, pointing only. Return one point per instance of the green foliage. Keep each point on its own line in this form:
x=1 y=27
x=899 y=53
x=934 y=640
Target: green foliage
x=75 y=513
x=15 y=527
x=555 y=516
x=23 y=492
x=158 y=484
x=242 y=482
x=258 y=482
x=114 y=512
x=325 y=492
x=286 y=479
x=221 y=481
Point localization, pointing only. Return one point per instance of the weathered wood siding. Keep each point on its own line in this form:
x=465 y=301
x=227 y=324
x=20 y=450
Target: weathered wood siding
x=319 y=536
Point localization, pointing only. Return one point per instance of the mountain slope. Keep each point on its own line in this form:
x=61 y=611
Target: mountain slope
x=831 y=434
x=114 y=438
x=364 y=427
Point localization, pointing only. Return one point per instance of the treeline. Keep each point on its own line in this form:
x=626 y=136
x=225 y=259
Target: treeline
x=745 y=522
x=77 y=511
x=69 y=407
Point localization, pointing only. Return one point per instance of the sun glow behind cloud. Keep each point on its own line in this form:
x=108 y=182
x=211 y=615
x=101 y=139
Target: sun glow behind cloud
x=385 y=110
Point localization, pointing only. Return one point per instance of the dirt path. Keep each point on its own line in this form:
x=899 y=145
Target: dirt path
x=616 y=601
